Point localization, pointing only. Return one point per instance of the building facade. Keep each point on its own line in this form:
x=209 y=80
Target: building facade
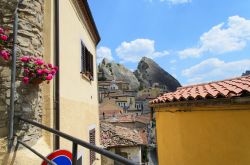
x=64 y=33
x=204 y=124
x=123 y=141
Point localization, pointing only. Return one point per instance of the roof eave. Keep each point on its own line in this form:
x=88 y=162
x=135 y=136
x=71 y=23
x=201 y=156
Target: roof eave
x=98 y=38
x=204 y=102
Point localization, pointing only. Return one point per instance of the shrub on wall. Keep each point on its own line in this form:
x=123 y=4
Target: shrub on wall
x=35 y=70
x=4 y=53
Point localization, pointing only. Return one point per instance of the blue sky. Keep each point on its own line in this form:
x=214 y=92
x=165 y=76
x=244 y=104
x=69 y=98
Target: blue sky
x=194 y=40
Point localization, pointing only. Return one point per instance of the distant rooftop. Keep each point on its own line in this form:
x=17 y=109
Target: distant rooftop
x=235 y=87
x=114 y=136
x=109 y=107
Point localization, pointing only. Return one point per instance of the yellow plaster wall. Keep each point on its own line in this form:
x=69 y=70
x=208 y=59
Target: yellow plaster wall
x=203 y=137
x=79 y=99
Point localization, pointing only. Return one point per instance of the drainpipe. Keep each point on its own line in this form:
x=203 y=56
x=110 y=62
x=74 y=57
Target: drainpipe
x=57 y=78
x=13 y=81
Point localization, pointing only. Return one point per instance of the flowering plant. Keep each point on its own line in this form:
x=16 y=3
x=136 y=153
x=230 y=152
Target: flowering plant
x=35 y=71
x=3 y=42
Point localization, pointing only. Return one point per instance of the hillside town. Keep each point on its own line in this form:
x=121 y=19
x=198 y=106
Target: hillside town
x=69 y=97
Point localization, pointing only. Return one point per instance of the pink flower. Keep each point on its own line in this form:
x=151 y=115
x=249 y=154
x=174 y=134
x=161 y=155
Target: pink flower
x=50 y=65
x=26 y=80
x=56 y=68
x=39 y=71
x=26 y=71
x=25 y=59
x=1 y=31
x=4 y=37
x=46 y=71
x=49 y=77
x=39 y=62
x=6 y=58
x=5 y=54
x=33 y=75
x=53 y=71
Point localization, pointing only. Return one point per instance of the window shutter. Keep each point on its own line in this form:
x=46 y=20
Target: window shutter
x=87 y=63
x=92 y=155
x=83 y=59
x=92 y=66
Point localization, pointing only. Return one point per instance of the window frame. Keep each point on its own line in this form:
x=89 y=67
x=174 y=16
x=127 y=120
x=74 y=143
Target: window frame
x=87 y=63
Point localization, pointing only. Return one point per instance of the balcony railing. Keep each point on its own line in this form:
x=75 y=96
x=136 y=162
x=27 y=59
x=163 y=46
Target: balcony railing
x=75 y=143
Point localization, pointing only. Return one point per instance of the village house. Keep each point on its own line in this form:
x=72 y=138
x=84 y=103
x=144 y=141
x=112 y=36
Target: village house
x=151 y=92
x=61 y=32
x=108 y=108
x=112 y=85
x=126 y=142
x=204 y=124
x=133 y=121
x=142 y=103
x=127 y=102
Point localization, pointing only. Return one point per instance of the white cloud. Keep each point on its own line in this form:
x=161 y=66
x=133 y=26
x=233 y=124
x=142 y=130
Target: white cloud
x=176 y=2
x=215 y=69
x=133 y=51
x=103 y=52
x=225 y=37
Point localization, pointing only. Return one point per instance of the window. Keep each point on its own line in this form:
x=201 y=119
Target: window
x=92 y=155
x=87 y=62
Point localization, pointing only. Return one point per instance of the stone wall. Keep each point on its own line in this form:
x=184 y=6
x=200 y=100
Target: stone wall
x=28 y=99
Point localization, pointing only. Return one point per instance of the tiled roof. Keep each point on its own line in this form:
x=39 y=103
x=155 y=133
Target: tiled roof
x=112 y=136
x=129 y=118
x=143 y=118
x=220 y=89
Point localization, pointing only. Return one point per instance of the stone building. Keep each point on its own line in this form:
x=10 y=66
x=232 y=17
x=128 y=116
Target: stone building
x=204 y=123
x=108 y=108
x=123 y=141
x=62 y=32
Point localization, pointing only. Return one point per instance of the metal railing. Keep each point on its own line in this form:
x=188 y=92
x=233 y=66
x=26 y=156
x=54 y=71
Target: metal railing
x=75 y=143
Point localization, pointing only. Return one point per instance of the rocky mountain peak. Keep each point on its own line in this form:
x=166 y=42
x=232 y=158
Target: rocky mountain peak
x=105 y=61
x=246 y=73
x=114 y=71
x=149 y=73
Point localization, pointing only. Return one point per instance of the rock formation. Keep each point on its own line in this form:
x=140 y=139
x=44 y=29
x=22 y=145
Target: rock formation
x=246 y=73
x=113 y=71
x=149 y=73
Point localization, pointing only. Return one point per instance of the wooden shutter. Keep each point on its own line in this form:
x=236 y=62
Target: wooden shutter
x=92 y=155
x=87 y=63
x=83 y=59
x=91 y=66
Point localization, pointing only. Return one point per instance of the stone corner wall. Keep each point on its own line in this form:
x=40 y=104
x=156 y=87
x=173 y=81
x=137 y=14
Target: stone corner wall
x=28 y=99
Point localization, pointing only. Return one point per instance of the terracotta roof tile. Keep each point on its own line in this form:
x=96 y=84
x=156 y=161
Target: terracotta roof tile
x=112 y=136
x=220 y=89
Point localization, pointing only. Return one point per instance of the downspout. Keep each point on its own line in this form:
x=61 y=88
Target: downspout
x=11 y=113
x=56 y=113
